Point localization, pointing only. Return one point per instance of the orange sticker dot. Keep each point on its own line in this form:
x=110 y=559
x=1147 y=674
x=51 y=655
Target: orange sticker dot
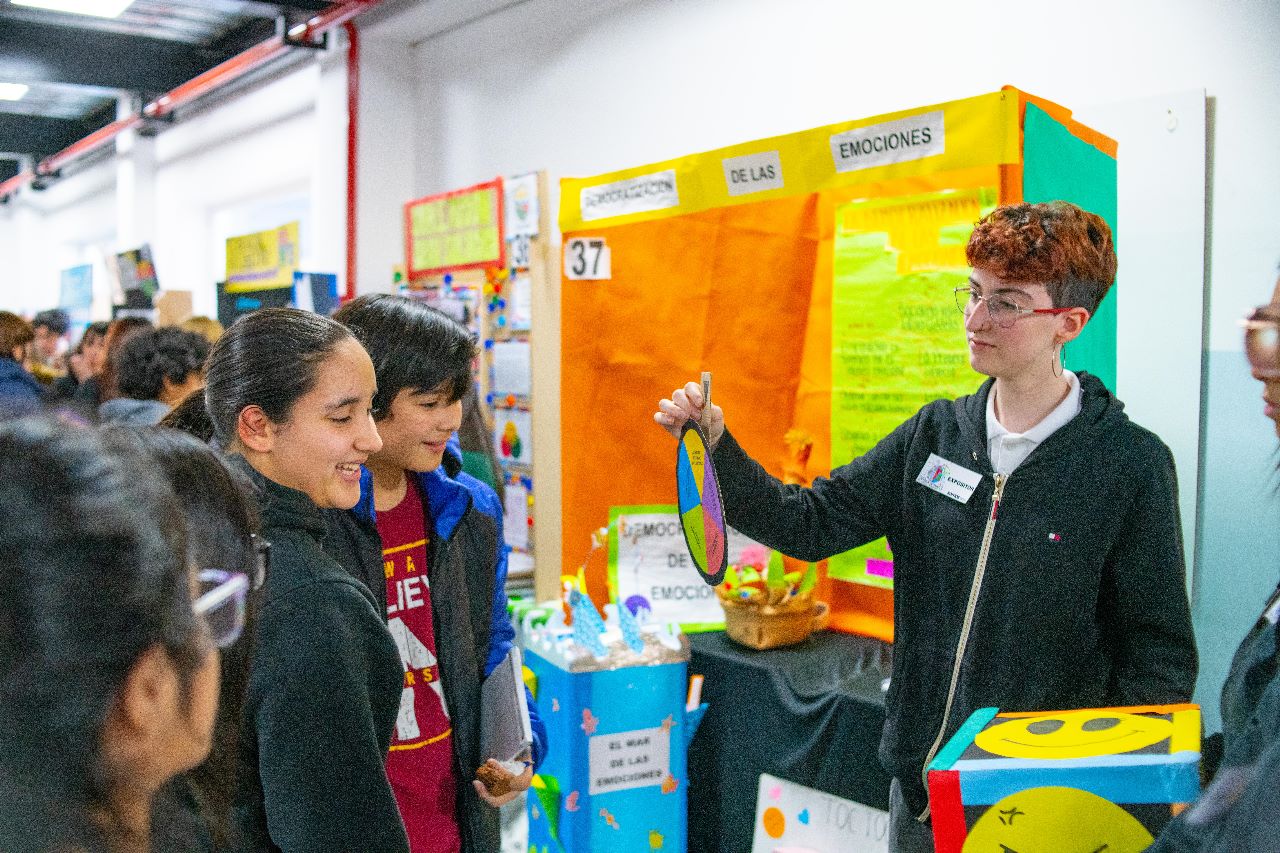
x=774 y=823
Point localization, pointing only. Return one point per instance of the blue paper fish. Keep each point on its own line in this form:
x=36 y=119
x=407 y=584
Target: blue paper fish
x=630 y=629
x=587 y=624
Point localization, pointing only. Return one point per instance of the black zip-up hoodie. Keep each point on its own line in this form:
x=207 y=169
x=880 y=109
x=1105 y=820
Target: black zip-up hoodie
x=323 y=697
x=1083 y=602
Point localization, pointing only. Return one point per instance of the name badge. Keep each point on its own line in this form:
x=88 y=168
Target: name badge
x=947 y=478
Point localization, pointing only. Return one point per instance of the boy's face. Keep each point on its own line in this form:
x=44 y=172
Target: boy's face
x=46 y=342
x=416 y=428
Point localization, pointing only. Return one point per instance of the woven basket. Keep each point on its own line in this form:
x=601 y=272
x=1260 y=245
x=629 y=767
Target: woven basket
x=769 y=627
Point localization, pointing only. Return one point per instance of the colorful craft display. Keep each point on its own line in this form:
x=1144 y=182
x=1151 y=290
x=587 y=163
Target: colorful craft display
x=835 y=250
x=701 y=510
x=1094 y=779
x=766 y=606
x=615 y=777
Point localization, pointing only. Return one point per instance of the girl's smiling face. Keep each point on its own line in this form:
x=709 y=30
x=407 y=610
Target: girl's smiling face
x=329 y=433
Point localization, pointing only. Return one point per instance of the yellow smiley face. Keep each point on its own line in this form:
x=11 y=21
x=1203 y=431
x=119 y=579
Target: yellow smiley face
x=1074 y=734
x=1040 y=820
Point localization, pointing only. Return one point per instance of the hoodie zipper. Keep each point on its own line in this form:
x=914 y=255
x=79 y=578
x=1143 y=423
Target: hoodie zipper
x=974 y=590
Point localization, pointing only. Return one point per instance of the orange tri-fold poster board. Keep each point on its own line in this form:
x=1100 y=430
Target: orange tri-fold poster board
x=1092 y=779
x=812 y=274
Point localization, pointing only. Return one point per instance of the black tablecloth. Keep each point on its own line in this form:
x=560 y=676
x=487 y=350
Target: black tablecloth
x=810 y=713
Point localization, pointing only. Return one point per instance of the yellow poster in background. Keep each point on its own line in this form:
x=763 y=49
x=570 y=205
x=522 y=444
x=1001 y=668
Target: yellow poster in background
x=263 y=260
x=897 y=338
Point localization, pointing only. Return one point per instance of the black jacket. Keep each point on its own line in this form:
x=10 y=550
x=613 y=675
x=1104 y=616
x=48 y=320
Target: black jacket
x=1238 y=812
x=323 y=697
x=1083 y=602
x=462 y=611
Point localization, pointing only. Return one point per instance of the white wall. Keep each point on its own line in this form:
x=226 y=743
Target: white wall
x=270 y=155
x=581 y=87
x=255 y=162
x=72 y=222
x=387 y=122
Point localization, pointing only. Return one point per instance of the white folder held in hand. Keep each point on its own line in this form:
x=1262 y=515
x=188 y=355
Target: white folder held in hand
x=505 y=732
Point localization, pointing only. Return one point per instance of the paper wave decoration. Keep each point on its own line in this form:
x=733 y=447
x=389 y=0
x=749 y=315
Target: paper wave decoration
x=701 y=510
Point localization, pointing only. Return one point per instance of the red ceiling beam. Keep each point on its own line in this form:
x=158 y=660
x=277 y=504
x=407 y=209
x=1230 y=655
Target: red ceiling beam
x=216 y=77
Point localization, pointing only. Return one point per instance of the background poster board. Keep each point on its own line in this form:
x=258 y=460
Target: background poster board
x=136 y=271
x=456 y=230
x=234 y=304
x=263 y=260
x=648 y=557
x=76 y=294
x=513 y=436
x=896 y=341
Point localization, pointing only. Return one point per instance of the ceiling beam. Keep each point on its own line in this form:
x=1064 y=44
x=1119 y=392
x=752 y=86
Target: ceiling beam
x=56 y=54
x=37 y=135
x=309 y=6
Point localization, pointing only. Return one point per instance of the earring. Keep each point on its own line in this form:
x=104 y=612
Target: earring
x=1059 y=359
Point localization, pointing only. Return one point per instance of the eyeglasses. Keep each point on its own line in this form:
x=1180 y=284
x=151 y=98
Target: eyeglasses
x=262 y=554
x=1262 y=340
x=1002 y=310
x=221 y=604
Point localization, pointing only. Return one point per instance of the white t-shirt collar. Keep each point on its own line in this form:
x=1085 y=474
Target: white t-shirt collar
x=1007 y=449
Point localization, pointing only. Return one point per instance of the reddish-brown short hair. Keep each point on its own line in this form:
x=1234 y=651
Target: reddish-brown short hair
x=1057 y=244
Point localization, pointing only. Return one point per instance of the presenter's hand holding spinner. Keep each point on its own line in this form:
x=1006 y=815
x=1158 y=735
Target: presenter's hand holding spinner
x=687 y=404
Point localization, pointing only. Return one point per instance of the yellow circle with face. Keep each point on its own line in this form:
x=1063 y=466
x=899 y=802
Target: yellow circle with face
x=1039 y=820
x=1074 y=734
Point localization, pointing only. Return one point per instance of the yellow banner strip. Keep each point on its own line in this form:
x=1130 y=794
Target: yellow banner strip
x=977 y=131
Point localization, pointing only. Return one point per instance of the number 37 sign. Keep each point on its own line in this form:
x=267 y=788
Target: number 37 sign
x=586 y=259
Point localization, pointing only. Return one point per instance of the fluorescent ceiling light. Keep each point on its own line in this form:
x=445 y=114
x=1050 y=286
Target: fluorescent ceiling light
x=97 y=8
x=13 y=91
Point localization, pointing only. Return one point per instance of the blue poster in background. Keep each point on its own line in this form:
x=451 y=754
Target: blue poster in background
x=321 y=287
x=76 y=296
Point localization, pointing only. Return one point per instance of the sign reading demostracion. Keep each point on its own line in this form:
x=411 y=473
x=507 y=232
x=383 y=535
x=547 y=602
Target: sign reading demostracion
x=656 y=191
x=457 y=230
x=649 y=560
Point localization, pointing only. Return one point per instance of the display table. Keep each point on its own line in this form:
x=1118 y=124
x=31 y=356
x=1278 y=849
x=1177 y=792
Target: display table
x=810 y=713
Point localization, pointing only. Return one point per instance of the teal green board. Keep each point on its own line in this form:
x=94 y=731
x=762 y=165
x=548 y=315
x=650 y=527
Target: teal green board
x=1057 y=165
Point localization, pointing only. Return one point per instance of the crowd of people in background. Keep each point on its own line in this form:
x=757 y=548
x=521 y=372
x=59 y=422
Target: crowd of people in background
x=107 y=375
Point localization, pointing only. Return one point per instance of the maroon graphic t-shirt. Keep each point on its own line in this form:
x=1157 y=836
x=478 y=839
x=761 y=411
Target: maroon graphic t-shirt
x=420 y=764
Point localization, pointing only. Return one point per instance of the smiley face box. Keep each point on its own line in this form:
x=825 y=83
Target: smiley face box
x=1094 y=779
